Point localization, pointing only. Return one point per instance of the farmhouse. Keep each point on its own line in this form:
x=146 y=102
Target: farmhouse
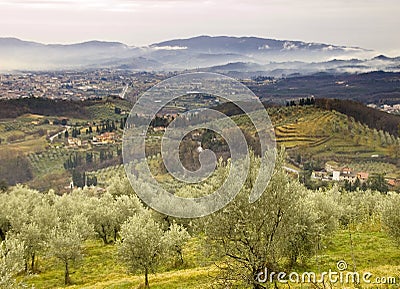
x=104 y=138
x=393 y=182
x=348 y=176
x=363 y=176
x=321 y=175
x=74 y=142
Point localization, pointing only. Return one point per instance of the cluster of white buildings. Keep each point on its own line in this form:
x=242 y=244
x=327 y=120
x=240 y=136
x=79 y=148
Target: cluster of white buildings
x=333 y=172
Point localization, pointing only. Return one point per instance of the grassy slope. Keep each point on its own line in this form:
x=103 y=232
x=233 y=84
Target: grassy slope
x=100 y=269
x=372 y=252
x=25 y=132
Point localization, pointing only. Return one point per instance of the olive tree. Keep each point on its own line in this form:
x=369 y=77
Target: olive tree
x=29 y=217
x=11 y=262
x=314 y=218
x=252 y=237
x=126 y=206
x=120 y=186
x=19 y=204
x=69 y=205
x=391 y=215
x=141 y=246
x=143 y=243
x=31 y=236
x=4 y=220
x=175 y=238
x=360 y=208
x=66 y=242
x=102 y=215
x=36 y=232
x=109 y=212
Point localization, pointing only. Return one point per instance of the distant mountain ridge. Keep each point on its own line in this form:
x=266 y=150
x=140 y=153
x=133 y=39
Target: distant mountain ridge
x=244 y=55
x=12 y=41
x=220 y=44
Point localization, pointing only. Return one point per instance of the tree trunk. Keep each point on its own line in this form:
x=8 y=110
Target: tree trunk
x=2 y=235
x=180 y=253
x=104 y=235
x=293 y=259
x=146 y=278
x=67 y=280
x=115 y=235
x=33 y=262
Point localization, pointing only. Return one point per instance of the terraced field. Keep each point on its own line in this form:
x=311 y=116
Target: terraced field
x=328 y=135
x=308 y=130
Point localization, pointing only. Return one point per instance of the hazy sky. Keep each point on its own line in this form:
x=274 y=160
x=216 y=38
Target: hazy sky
x=370 y=24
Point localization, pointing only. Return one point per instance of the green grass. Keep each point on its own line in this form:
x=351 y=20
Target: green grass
x=100 y=268
x=371 y=252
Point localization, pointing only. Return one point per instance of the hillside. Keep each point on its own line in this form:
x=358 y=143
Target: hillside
x=36 y=144
x=51 y=154
x=371 y=117
x=245 y=45
x=311 y=136
x=322 y=134
x=374 y=87
x=99 y=271
x=13 y=108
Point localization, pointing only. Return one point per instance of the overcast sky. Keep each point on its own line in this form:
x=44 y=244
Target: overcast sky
x=370 y=24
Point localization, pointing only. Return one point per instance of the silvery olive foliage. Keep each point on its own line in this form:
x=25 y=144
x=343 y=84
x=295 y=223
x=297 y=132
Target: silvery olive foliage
x=287 y=225
x=11 y=262
x=284 y=224
x=66 y=242
x=108 y=212
x=29 y=218
x=120 y=186
x=144 y=245
x=391 y=215
x=360 y=208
